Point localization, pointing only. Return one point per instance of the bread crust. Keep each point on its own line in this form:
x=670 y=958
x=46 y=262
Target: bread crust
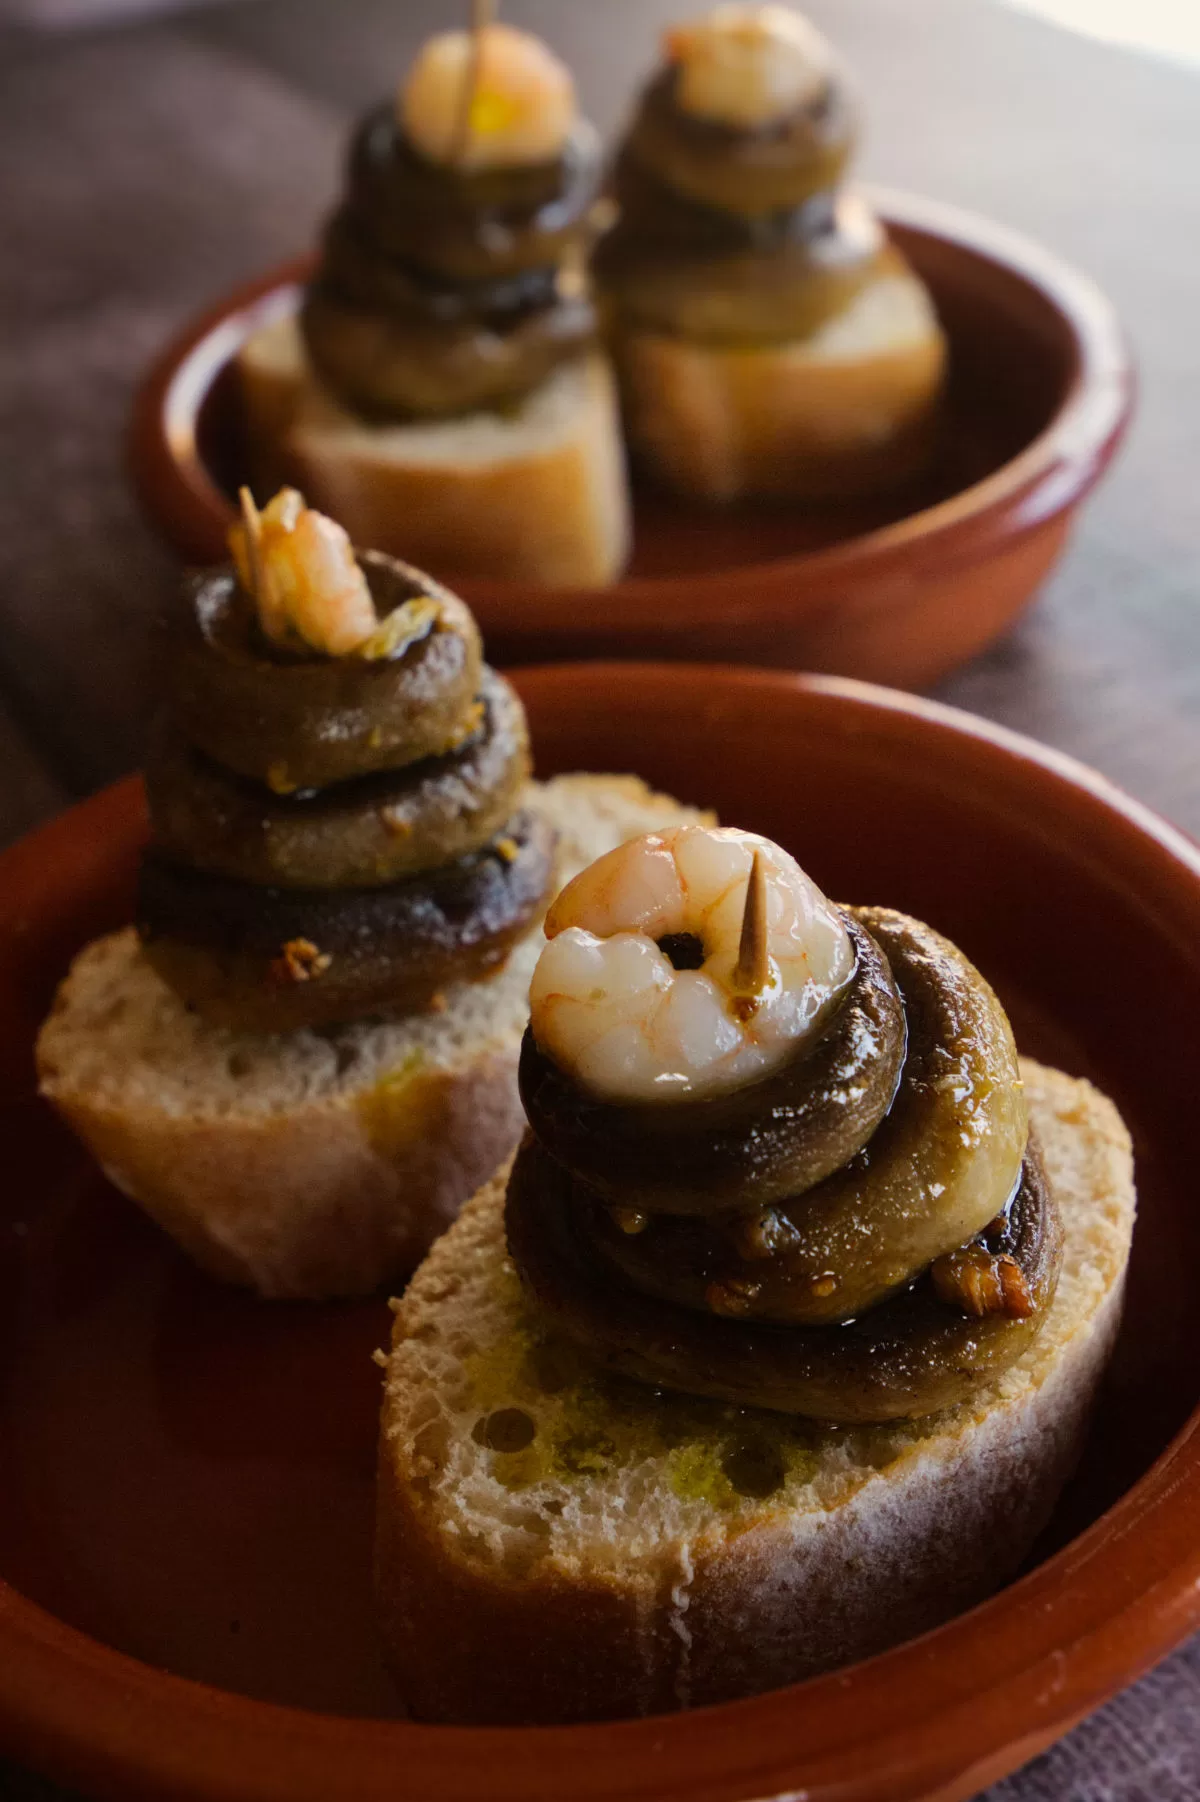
x=335 y=1185
x=810 y=420
x=539 y=495
x=328 y=1199
x=926 y=1520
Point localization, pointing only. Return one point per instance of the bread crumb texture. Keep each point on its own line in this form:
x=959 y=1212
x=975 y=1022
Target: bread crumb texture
x=724 y=1549
x=315 y=1162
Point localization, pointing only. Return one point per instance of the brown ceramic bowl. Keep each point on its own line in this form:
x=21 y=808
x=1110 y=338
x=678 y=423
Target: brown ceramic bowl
x=899 y=591
x=186 y=1497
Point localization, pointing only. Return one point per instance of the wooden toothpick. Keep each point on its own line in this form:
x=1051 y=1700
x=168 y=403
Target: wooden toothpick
x=482 y=13
x=754 y=965
x=252 y=520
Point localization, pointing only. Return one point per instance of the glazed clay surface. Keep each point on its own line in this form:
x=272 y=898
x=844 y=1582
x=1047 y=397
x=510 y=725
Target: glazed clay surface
x=185 y=1542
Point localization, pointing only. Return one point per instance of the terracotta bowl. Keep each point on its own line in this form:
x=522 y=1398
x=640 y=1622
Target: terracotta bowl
x=900 y=592
x=186 y=1501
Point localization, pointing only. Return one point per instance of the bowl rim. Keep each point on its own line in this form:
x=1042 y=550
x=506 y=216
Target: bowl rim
x=1044 y=1651
x=1044 y=479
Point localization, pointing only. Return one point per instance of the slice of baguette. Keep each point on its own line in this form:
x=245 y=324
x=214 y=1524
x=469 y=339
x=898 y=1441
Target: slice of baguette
x=311 y=1164
x=848 y=411
x=611 y=1566
x=535 y=494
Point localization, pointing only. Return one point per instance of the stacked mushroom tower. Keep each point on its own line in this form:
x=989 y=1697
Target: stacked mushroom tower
x=443 y=392
x=770 y=339
x=789 y=1167
x=450 y=277
x=334 y=787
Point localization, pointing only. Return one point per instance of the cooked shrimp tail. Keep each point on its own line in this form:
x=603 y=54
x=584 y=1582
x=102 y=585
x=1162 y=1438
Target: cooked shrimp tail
x=746 y=65
x=686 y=963
x=300 y=570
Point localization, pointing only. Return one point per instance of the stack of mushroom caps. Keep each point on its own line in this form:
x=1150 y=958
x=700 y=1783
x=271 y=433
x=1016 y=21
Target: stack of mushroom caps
x=447 y=284
x=863 y=1234
x=736 y=244
x=334 y=788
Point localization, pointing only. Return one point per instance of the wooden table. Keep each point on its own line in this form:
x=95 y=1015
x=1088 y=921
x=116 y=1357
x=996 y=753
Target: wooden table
x=145 y=167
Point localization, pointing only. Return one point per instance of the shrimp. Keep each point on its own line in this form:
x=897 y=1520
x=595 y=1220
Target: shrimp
x=686 y=963
x=301 y=570
x=748 y=65
x=490 y=99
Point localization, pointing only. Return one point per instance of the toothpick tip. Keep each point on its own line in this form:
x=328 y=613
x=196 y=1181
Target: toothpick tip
x=754 y=964
x=250 y=513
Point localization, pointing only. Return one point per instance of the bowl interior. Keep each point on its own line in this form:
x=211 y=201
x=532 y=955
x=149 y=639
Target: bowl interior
x=188 y=1471
x=1014 y=358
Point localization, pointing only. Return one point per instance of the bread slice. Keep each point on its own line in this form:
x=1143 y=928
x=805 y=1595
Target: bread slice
x=611 y=1566
x=311 y=1163
x=537 y=493
x=847 y=411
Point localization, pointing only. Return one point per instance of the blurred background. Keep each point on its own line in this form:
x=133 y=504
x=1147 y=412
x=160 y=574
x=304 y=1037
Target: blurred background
x=153 y=154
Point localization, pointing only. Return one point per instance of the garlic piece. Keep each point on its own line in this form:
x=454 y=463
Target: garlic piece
x=746 y=66
x=493 y=100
